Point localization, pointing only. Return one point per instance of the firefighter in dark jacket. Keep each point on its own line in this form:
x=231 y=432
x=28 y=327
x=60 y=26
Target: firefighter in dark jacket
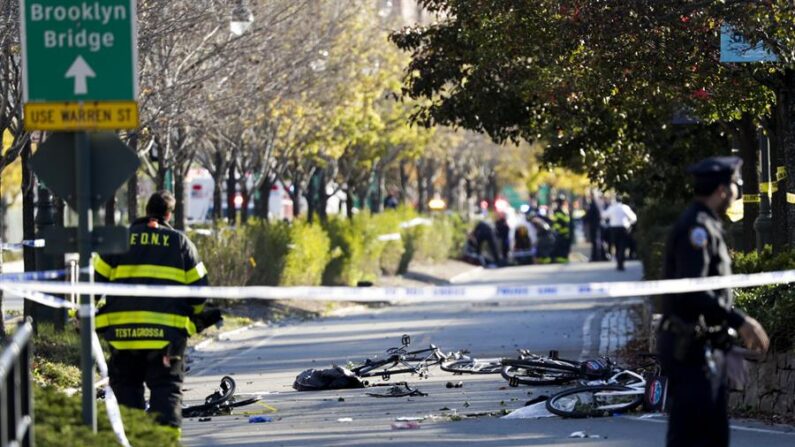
x=148 y=335
x=561 y=225
x=694 y=331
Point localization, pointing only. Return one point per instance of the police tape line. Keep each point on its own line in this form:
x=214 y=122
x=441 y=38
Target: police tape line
x=111 y=403
x=460 y=293
x=36 y=276
x=35 y=243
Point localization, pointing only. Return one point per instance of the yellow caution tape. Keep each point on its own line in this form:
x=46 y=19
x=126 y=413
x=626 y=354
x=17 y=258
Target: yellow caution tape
x=781 y=173
x=752 y=198
x=768 y=187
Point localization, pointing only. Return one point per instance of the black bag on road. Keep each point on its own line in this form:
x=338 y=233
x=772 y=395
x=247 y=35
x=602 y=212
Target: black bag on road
x=335 y=378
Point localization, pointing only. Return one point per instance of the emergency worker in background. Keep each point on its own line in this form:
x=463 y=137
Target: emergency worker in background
x=148 y=335
x=503 y=233
x=561 y=225
x=620 y=218
x=693 y=338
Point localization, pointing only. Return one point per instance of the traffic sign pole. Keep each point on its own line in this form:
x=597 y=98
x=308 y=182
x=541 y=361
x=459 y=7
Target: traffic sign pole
x=84 y=224
x=80 y=73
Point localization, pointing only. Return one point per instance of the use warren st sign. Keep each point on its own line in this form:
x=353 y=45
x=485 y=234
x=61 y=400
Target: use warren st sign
x=80 y=64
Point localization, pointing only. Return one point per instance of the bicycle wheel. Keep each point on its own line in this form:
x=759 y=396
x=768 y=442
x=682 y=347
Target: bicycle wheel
x=472 y=366
x=538 y=371
x=215 y=400
x=523 y=375
x=594 y=401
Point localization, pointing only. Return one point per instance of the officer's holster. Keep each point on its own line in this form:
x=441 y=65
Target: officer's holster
x=688 y=344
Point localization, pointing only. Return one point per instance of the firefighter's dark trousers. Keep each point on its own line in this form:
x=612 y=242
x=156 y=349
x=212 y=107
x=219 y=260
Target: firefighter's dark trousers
x=129 y=370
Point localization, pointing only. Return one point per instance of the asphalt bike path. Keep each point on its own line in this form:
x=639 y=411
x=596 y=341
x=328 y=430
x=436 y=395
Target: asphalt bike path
x=266 y=359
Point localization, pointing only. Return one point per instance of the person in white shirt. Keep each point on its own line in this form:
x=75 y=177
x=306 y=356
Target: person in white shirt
x=620 y=217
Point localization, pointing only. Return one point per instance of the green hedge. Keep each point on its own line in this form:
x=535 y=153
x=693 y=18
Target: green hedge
x=59 y=422
x=270 y=242
x=307 y=255
x=287 y=254
x=229 y=254
x=357 y=253
x=57 y=417
x=339 y=252
x=773 y=306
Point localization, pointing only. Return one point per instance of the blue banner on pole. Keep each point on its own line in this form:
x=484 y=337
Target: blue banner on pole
x=734 y=48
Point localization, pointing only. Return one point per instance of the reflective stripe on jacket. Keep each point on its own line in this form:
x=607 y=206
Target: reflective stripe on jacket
x=158 y=254
x=560 y=223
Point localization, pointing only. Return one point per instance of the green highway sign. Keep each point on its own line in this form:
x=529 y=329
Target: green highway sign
x=79 y=52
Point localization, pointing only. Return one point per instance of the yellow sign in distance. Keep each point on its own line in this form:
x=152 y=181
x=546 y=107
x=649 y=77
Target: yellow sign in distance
x=81 y=116
x=736 y=211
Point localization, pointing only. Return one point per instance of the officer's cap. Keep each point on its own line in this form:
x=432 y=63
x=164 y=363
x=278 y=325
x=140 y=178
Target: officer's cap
x=717 y=168
x=712 y=172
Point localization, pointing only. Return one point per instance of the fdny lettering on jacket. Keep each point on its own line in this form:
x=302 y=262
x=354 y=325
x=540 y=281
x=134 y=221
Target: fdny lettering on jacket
x=146 y=238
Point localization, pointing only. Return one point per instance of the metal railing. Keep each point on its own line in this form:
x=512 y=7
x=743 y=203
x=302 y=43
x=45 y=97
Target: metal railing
x=16 y=393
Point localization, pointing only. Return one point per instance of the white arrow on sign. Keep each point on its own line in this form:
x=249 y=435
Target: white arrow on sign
x=80 y=70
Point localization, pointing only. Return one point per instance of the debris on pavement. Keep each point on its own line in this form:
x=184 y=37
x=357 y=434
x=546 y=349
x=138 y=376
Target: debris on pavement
x=459 y=384
x=205 y=419
x=259 y=419
x=411 y=425
x=345 y=420
x=340 y=399
x=582 y=434
x=401 y=389
x=219 y=403
x=533 y=411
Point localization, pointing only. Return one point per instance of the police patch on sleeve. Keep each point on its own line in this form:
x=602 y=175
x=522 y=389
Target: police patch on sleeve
x=698 y=237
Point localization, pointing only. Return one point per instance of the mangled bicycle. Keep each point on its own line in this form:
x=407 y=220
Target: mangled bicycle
x=400 y=360
x=221 y=402
x=623 y=391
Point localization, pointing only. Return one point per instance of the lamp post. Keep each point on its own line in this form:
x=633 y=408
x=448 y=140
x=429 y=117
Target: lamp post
x=46 y=218
x=763 y=225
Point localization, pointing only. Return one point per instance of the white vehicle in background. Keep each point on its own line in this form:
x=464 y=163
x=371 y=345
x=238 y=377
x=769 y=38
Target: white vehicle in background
x=199 y=199
x=280 y=205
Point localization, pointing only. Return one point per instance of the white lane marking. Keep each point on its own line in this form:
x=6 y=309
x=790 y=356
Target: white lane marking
x=225 y=360
x=587 y=340
x=733 y=427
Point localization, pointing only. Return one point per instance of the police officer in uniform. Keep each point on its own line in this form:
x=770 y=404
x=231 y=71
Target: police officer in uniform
x=693 y=335
x=148 y=335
